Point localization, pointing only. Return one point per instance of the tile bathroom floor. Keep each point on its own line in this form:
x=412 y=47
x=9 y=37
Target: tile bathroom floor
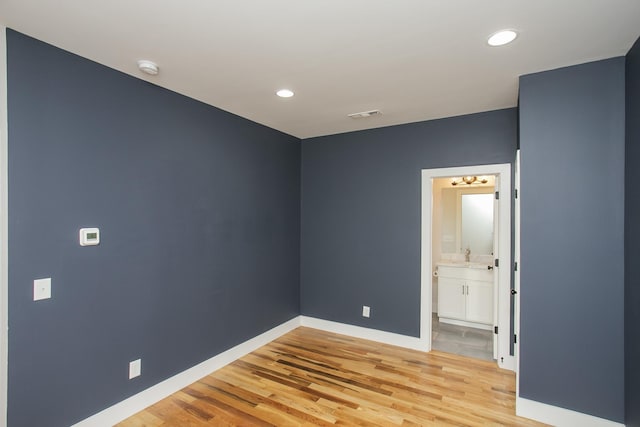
x=462 y=340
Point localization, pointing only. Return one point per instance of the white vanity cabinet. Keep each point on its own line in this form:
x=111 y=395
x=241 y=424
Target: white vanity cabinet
x=465 y=295
x=451 y=297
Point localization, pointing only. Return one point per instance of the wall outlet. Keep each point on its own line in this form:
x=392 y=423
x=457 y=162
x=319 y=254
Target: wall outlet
x=42 y=289
x=366 y=311
x=135 y=368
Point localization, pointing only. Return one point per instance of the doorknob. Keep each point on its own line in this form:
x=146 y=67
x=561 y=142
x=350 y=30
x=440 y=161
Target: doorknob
x=489 y=267
x=513 y=292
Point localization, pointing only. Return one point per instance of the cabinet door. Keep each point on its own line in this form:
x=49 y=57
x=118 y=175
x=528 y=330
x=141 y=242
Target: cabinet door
x=479 y=301
x=451 y=298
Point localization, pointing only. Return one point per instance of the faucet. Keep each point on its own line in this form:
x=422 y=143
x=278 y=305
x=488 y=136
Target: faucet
x=467 y=253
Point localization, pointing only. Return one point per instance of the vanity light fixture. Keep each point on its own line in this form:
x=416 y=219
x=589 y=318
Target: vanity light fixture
x=285 y=93
x=502 y=37
x=148 y=67
x=469 y=180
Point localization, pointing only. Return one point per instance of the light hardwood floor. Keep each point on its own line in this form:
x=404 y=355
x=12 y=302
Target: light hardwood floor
x=310 y=377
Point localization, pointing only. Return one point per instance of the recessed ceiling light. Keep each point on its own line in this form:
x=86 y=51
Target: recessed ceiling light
x=148 y=67
x=502 y=37
x=284 y=93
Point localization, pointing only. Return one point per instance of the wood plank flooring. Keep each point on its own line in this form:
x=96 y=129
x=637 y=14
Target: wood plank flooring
x=310 y=377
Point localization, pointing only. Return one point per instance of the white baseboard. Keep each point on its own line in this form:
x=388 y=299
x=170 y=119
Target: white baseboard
x=365 y=333
x=136 y=403
x=525 y=408
x=557 y=416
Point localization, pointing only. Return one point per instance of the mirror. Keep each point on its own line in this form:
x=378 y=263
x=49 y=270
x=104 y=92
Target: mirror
x=477 y=223
x=467 y=220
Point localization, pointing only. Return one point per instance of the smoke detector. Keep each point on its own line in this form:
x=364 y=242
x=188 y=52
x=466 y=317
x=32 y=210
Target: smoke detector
x=364 y=114
x=148 y=67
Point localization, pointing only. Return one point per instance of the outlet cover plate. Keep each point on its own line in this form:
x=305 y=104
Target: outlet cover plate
x=42 y=289
x=135 y=368
x=366 y=311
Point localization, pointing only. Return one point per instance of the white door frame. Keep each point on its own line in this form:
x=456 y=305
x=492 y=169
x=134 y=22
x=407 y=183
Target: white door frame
x=505 y=360
x=4 y=277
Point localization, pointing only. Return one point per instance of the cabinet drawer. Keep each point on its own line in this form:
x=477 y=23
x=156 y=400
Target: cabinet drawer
x=465 y=273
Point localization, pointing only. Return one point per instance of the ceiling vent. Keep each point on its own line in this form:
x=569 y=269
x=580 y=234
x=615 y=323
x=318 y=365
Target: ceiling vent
x=364 y=114
x=148 y=67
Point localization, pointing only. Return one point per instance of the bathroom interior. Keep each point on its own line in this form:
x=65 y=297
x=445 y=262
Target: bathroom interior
x=464 y=296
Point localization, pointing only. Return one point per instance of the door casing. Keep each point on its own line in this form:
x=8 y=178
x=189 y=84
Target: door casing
x=503 y=171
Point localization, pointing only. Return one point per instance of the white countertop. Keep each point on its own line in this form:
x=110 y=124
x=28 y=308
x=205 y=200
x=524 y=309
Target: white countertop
x=480 y=265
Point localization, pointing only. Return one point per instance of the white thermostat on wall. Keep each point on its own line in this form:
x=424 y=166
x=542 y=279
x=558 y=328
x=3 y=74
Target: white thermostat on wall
x=89 y=236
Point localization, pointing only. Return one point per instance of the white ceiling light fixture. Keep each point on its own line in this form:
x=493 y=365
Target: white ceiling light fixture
x=502 y=37
x=284 y=93
x=148 y=67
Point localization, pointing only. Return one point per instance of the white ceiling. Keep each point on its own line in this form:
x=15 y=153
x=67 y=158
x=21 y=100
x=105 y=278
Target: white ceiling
x=413 y=59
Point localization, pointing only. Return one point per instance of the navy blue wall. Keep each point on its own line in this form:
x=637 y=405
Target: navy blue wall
x=361 y=203
x=632 y=240
x=199 y=214
x=572 y=281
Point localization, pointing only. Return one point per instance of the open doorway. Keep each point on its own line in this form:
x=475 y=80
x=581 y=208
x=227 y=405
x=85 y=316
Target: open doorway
x=494 y=314
x=464 y=301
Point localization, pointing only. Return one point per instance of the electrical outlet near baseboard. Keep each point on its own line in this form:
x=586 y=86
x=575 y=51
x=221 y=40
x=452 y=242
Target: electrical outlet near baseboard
x=366 y=311
x=135 y=368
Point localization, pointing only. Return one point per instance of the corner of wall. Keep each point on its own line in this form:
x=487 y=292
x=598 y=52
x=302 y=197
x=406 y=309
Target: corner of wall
x=558 y=416
x=138 y=402
x=3 y=227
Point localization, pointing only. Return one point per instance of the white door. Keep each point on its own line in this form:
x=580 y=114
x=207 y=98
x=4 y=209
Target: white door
x=516 y=282
x=496 y=276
